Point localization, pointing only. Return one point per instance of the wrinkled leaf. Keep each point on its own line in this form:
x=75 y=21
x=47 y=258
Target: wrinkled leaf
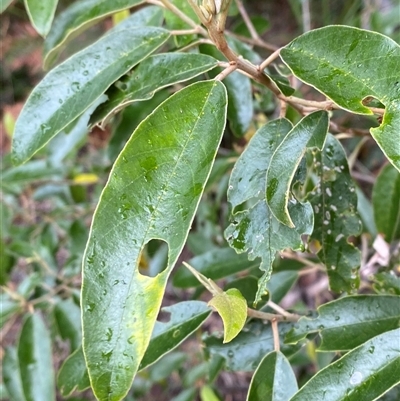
x=215 y=264
x=12 y=375
x=274 y=379
x=73 y=375
x=365 y=373
x=256 y=230
x=41 y=14
x=232 y=307
x=152 y=74
x=168 y=160
x=358 y=64
x=75 y=19
x=348 y=322
x=386 y=203
x=334 y=200
x=245 y=352
x=186 y=317
x=308 y=133
x=78 y=82
x=35 y=360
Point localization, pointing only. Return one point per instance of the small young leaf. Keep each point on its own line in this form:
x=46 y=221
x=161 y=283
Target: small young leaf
x=12 y=375
x=73 y=375
x=334 y=200
x=75 y=19
x=245 y=352
x=232 y=307
x=274 y=379
x=169 y=159
x=152 y=74
x=349 y=64
x=308 y=133
x=348 y=322
x=386 y=203
x=365 y=373
x=78 y=82
x=41 y=14
x=34 y=356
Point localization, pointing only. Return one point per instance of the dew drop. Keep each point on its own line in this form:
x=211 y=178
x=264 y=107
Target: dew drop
x=356 y=378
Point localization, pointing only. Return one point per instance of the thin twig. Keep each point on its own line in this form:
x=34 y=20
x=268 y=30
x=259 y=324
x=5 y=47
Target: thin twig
x=196 y=43
x=289 y=317
x=255 y=42
x=228 y=70
x=275 y=332
x=269 y=59
x=247 y=20
x=185 y=31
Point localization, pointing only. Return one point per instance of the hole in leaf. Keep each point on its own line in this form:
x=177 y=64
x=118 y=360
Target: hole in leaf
x=154 y=258
x=371 y=101
x=164 y=316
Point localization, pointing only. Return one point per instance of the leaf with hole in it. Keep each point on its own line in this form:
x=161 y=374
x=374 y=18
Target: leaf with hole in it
x=152 y=74
x=77 y=83
x=255 y=230
x=386 y=203
x=41 y=14
x=232 y=307
x=334 y=200
x=348 y=322
x=73 y=375
x=75 y=19
x=308 y=133
x=152 y=193
x=365 y=373
x=274 y=379
x=35 y=360
x=358 y=65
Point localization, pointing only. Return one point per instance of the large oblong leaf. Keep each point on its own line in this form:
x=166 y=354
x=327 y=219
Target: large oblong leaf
x=41 y=14
x=386 y=203
x=274 y=379
x=347 y=322
x=365 y=373
x=349 y=65
x=70 y=88
x=152 y=193
x=35 y=362
x=152 y=74
x=75 y=19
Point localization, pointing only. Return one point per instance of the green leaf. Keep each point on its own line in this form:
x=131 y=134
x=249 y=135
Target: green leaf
x=78 y=82
x=152 y=74
x=208 y=394
x=280 y=284
x=168 y=159
x=215 y=264
x=274 y=379
x=387 y=283
x=334 y=200
x=365 y=373
x=348 y=322
x=75 y=19
x=358 y=64
x=386 y=203
x=308 y=133
x=73 y=375
x=4 y=4
x=41 y=14
x=67 y=316
x=248 y=286
x=35 y=362
x=186 y=317
x=232 y=307
x=256 y=230
x=245 y=352
x=12 y=375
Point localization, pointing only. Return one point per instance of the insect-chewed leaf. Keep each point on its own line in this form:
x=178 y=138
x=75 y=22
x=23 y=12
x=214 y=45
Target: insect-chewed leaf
x=152 y=193
x=334 y=200
x=358 y=64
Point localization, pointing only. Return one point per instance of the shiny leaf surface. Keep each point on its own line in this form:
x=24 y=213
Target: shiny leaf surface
x=41 y=14
x=334 y=200
x=358 y=64
x=168 y=159
x=309 y=132
x=75 y=19
x=348 y=322
x=274 y=379
x=386 y=203
x=232 y=307
x=365 y=373
x=78 y=82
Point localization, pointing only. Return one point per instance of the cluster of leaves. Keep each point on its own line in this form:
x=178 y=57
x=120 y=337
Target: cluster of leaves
x=168 y=97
